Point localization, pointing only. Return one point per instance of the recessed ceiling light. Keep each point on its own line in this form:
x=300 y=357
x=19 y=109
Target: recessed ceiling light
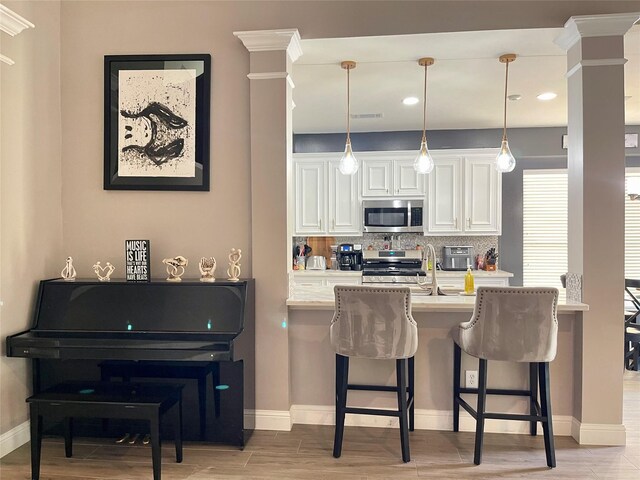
x=410 y=100
x=547 y=96
x=515 y=97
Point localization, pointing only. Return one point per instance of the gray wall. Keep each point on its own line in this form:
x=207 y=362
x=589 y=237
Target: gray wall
x=534 y=148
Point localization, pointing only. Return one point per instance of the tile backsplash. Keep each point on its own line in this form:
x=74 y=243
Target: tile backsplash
x=409 y=241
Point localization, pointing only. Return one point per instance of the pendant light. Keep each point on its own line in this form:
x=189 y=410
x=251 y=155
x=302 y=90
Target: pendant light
x=348 y=163
x=505 y=162
x=424 y=163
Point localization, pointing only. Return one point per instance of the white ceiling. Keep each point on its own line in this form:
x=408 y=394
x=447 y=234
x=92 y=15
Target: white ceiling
x=465 y=85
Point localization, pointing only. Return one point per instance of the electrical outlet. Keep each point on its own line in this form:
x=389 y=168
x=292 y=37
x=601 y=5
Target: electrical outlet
x=471 y=378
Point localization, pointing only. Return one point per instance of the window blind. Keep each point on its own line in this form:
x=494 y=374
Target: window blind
x=632 y=232
x=545 y=228
x=545 y=242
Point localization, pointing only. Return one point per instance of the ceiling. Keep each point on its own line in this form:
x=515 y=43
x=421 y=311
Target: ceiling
x=465 y=85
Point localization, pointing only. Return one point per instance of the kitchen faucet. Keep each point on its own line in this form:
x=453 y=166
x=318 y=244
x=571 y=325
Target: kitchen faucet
x=432 y=288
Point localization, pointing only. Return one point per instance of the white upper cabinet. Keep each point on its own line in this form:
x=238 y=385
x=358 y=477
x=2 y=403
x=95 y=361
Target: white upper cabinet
x=465 y=193
x=407 y=181
x=310 y=197
x=445 y=196
x=344 y=202
x=483 y=196
x=390 y=174
x=326 y=202
x=377 y=178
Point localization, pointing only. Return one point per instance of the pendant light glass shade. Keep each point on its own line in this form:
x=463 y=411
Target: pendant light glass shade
x=348 y=164
x=505 y=161
x=423 y=163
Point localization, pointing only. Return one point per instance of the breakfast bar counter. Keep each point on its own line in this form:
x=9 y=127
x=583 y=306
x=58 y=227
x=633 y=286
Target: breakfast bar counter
x=305 y=297
x=311 y=363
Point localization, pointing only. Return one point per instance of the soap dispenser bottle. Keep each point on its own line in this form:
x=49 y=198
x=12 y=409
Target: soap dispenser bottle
x=469 y=286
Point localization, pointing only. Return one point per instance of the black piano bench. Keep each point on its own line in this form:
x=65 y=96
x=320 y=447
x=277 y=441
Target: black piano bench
x=134 y=401
x=189 y=370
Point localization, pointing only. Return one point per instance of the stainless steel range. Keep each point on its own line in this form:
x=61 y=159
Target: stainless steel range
x=391 y=266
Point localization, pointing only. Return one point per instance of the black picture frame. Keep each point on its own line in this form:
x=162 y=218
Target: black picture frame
x=177 y=130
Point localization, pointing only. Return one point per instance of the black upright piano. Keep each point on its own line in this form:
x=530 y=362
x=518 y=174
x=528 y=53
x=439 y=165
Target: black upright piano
x=82 y=325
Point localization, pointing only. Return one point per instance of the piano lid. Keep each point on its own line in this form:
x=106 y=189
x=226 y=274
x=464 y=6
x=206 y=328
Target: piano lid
x=157 y=306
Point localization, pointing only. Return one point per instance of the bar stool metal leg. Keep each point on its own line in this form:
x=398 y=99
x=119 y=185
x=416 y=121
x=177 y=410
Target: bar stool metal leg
x=412 y=408
x=533 y=387
x=545 y=407
x=457 y=356
x=401 y=375
x=482 y=397
x=342 y=376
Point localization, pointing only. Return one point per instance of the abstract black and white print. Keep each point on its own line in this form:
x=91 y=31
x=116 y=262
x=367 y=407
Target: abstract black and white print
x=156 y=123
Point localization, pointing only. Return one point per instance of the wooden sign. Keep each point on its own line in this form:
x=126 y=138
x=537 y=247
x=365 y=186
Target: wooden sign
x=137 y=254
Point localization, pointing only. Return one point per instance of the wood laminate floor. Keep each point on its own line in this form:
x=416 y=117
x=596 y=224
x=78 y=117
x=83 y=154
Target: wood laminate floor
x=368 y=453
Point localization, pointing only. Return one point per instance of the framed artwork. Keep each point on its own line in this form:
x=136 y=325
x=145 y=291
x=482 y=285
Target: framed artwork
x=156 y=122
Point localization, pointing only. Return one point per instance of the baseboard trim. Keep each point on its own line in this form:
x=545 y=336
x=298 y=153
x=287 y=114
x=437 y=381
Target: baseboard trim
x=563 y=425
x=598 y=433
x=425 y=420
x=273 y=420
x=14 y=438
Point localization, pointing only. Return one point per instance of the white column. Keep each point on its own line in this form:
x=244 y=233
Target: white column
x=595 y=75
x=272 y=53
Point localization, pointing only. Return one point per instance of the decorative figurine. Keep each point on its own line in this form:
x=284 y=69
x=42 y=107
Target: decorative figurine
x=103 y=273
x=234 y=265
x=207 y=269
x=175 y=268
x=68 y=272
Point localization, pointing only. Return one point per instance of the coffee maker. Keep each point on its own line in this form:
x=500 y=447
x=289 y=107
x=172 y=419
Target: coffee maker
x=349 y=256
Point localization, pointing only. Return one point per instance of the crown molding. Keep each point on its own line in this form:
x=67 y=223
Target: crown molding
x=269 y=40
x=604 y=62
x=582 y=26
x=11 y=22
x=271 y=76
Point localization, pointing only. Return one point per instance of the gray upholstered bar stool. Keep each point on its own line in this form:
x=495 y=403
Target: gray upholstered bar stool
x=514 y=324
x=372 y=322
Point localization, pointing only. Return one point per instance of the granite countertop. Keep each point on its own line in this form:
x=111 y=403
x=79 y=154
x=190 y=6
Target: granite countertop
x=441 y=273
x=322 y=298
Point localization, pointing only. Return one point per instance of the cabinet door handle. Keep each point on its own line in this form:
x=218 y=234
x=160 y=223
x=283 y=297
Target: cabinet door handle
x=468 y=223
x=387 y=190
x=333 y=224
x=320 y=224
x=455 y=223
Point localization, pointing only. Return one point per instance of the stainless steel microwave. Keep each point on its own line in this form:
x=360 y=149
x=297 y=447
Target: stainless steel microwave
x=393 y=216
